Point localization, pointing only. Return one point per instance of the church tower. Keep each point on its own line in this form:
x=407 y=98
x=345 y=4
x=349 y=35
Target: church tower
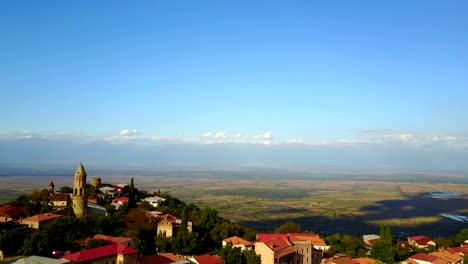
x=79 y=198
x=51 y=187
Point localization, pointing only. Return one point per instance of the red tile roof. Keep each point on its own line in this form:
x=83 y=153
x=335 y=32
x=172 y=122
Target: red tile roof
x=11 y=211
x=41 y=217
x=235 y=240
x=168 y=217
x=463 y=250
x=344 y=260
x=284 y=253
x=60 y=197
x=365 y=260
x=402 y=243
x=314 y=239
x=278 y=243
x=120 y=199
x=448 y=256
x=153 y=214
x=208 y=259
x=420 y=240
x=99 y=252
x=266 y=237
x=423 y=257
x=109 y=239
x=163 y=258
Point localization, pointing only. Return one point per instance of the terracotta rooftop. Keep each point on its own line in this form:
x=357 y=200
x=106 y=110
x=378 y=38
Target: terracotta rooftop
x=463 y=250
x=109 y=239
x=344 y=260
x=163 y=258
x=262 y=237
x=448 y=256
x=168 y=217
x=314 y=239
x=284 y=253
x=60 y=197
x=423 y=257
x=11 y=211
x=208 y=259
x=235 y=240
x=99 y=252
x=420 y=240
x=278 y=243
x=41 y=217
x=365 y=260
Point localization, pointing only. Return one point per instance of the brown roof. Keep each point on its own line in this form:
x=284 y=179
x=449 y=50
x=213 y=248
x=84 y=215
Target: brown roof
x=60 y=197
x=235 y=240
x=314 y=239
x=109 y=239
x=41 y=217
x=446 y=255
x=364 y=260
x=168 y=217
x=463 y=250
x=284 y=253
x=423 y=257
x=278 y=244
x=11 y=211
x=344 y=260
x=208 y=259
x=163 y=258
x=420 y=240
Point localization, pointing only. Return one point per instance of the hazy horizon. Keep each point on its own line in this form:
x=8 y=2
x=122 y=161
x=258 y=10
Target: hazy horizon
x=322 y=84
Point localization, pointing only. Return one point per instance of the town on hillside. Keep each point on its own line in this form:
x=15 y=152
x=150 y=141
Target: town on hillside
x=117 y=223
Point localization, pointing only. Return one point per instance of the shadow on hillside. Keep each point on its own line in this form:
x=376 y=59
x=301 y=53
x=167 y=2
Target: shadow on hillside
x=420 y=205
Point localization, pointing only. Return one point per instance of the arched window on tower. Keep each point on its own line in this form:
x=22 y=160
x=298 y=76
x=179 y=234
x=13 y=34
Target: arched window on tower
x=75 y=192
x=81 y=191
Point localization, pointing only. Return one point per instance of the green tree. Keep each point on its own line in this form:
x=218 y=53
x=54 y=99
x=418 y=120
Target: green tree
x=163 y=244
x=462 y=236
x=346 y=244
x=39 y=203
x=66 y=189
x=385 y=233
x=401 y=253
x=230 y=254
x=383 y=251
x=288 y=227
x=388 y=234
x=250 y=257
x=12 y=240
x=21 y=201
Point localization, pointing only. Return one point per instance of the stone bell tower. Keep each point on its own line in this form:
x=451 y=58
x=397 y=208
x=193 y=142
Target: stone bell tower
x=79 y=198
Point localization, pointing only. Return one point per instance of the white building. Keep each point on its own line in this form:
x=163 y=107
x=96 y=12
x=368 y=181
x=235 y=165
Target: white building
x=155 y=201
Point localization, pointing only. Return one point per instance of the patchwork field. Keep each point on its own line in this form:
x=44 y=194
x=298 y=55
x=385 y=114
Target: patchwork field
x=319 y=205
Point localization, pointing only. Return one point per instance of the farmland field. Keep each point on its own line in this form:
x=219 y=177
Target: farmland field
x=356 y=205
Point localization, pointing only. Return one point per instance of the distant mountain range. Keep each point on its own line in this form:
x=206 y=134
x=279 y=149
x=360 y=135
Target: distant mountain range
x=37 y=151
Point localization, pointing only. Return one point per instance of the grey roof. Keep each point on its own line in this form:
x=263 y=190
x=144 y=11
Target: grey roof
x=38 y=260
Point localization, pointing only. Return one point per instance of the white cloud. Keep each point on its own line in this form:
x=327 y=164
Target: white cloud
x=221 y=135
x=238 y=135
x=267 y=135
x=128 y=132
x=207 y=134
x=295 y=141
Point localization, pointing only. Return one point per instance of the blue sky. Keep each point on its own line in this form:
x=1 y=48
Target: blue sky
x=201 y=71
